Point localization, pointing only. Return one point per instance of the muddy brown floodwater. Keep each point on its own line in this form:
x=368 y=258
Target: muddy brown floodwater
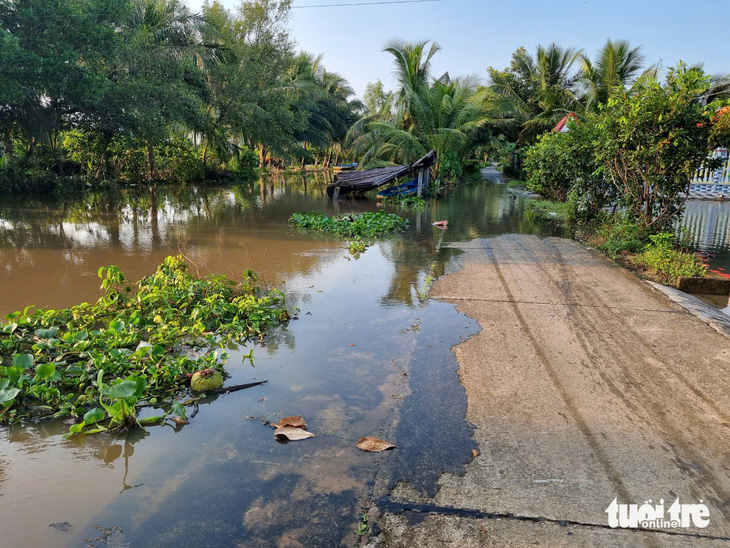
x=223 y=480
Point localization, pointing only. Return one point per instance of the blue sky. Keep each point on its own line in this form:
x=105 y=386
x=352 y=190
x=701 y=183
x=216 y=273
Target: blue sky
x=475 y=34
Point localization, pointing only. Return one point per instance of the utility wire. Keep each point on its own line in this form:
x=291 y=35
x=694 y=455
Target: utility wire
x=380 y=2
x=344 y=4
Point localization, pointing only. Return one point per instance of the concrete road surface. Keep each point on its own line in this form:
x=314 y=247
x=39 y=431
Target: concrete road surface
x=584 y=385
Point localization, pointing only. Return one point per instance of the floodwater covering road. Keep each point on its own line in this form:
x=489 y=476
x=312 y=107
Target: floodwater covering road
x=364 y=356
x=584 y=385
x=369 y=357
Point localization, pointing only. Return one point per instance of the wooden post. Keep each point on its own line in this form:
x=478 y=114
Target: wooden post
x=336 y=193
x=426 y=179
x=420 y=183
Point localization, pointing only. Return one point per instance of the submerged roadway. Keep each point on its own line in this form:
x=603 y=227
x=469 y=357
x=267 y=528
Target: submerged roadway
x=584 y=385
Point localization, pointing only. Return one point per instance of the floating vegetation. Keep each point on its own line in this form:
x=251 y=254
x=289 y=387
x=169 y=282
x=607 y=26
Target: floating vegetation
x=413 y=202
x=369 y=225
x=362 y=228
x=356 y=247
x=100 y=362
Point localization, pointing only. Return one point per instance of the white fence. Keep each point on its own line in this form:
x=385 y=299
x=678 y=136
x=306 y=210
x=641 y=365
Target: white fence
x=717 y=176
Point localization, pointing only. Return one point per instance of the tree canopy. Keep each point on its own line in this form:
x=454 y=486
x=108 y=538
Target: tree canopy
x=133 y=89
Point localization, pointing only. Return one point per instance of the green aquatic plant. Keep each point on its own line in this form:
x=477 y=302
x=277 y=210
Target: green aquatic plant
x=97 y=362
x=362 y=526
x=363 y=228
x=414 y=202
x=368 y=225
x=356 y=247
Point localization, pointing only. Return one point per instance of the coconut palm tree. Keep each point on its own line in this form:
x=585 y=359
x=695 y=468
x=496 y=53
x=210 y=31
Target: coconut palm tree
x=444 y=115
x=535 y=92
x=412 y=62
x=617 y=65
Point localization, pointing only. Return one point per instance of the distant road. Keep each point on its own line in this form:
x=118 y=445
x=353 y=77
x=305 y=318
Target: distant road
x=492 y=174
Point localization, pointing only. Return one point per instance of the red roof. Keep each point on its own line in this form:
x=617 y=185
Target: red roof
x=561 y=124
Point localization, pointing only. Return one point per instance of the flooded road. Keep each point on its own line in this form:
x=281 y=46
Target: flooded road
x=344 y=365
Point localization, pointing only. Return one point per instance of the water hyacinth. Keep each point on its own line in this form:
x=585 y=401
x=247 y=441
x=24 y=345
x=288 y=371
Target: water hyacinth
x=368 y=225
x=97 y=361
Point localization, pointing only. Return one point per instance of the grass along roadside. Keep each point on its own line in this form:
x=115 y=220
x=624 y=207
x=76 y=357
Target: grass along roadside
x=659 y=257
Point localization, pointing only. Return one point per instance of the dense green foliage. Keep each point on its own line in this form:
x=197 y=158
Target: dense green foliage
x=97 y=361
x=531 y=95
x=129 y=90
x=653 y=139
x=366 y=225
x=661 y=255
x=638 y=152
x=619 y=234
x=563 y=166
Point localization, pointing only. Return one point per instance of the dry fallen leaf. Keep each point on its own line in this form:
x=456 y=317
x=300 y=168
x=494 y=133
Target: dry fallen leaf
x=179 y=420
x=292 y=434
x=374 y=444
x=474 y=453
x=294 y=422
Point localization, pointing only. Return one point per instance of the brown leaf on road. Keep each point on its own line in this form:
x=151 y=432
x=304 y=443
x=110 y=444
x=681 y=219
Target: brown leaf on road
x=374 y=444
x=474 y=453
x=292 y=434
x=294 y=422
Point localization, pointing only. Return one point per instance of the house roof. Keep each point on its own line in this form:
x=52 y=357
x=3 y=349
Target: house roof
x=561 y=126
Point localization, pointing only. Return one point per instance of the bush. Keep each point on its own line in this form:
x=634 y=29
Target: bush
x=244 y=163
x=653 y=139
x=662 y=255
x=562 y=166
x=125 y=159
x=620 y=234
x=513 y=161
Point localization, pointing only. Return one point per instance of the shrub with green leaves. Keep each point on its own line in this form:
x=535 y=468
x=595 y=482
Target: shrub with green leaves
x=653 y=138
x=620 y=234
x=662 y=255
x=96 y=362
x=563 y=166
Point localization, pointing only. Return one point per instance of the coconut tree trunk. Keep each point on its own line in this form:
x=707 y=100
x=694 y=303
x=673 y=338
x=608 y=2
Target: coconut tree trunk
x=151 y=162
x=31 y=148
x=8 y=145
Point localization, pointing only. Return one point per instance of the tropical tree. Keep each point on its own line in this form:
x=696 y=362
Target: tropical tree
x=378 y=101
x=652 y=140
x=617 y=66
x=534 y=93
x=443 y=115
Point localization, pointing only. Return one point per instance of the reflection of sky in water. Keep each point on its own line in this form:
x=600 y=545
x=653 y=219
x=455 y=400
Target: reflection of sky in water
x=339 y=364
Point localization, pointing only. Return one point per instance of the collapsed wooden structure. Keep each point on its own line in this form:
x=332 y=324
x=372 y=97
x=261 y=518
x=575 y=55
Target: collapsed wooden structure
x=370 y=179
